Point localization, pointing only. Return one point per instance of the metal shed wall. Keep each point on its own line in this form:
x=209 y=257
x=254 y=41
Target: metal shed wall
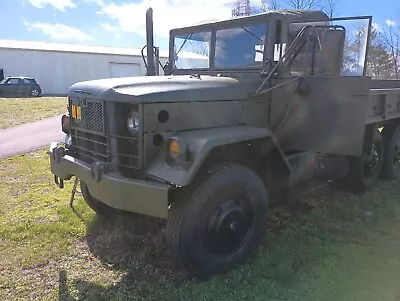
x=56 y=71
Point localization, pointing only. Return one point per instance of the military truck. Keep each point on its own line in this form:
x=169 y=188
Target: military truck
x=273 y=103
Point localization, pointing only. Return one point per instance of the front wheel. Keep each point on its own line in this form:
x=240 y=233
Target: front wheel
x=219 y=223
x=96 y=205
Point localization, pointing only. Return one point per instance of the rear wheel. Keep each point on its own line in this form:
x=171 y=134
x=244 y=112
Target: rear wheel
x=218 y=223
x=96 y=205
x=366 y=169
x=391 y=163
x=35 y=92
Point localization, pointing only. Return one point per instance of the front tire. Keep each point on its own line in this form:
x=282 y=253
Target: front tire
x=96 y=205
x=219 y=223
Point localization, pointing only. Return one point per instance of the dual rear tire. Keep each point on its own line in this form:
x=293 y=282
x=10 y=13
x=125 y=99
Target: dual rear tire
x=365 y=170
x=381 y=161
x=391 y=164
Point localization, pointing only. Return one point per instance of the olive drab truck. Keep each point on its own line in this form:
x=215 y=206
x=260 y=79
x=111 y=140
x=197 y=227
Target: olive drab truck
x=258 y=108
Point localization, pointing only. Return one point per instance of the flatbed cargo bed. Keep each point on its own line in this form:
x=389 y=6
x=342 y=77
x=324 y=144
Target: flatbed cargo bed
x=384 y=101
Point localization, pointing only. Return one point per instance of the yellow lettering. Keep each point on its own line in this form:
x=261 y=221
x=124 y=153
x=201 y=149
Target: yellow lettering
x=78 y=113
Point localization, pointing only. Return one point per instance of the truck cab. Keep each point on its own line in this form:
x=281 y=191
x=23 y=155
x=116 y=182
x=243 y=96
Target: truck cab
x=265 y=104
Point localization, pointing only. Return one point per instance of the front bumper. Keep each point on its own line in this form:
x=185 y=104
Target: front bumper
x=111 y=188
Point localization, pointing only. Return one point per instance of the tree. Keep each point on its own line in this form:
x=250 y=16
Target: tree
x=391 y=36
x=303 y=4
x=273 y=4
x=330 y=7
x=379 y=65
x=263 y=6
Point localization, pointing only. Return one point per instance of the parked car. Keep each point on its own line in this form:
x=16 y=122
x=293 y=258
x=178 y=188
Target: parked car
x=19 y=87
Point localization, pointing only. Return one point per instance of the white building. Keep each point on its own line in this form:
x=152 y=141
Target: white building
x=57 y=66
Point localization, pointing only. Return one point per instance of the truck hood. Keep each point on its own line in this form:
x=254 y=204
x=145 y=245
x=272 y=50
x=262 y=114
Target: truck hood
x=149 y=89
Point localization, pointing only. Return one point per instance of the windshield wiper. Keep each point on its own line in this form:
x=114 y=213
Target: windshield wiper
x=254 y=35
x=184 y=42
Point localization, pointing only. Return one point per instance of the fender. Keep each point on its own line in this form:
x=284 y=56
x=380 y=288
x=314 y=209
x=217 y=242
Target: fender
x=201 y=142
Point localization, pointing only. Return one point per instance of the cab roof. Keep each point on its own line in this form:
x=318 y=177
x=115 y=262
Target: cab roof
x=290 y=15
x=20 y=77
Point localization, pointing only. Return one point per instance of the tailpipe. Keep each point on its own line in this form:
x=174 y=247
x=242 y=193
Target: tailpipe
x=151 y=70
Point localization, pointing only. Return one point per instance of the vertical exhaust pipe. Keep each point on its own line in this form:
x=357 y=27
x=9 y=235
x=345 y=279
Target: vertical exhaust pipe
x=151 y=70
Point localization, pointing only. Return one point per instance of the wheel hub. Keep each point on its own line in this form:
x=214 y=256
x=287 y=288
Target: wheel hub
x=374 y=158
x=371 y=161
x=228 y=226
x=396 y=156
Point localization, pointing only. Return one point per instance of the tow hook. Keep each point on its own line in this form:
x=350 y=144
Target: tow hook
x=59 y=182
x=58 y=153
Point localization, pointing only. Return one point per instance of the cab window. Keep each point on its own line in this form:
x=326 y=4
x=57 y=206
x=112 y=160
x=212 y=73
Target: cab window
x=13 y=81
x=192 y=50
x=240 y=47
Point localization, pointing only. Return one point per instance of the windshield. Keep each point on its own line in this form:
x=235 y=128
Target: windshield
x=3 y=81
x=235 y=47
x=240 y=47
x=192 y=50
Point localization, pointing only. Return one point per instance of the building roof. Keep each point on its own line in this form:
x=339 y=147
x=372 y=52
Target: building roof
x=50 y=46
x=78 y=48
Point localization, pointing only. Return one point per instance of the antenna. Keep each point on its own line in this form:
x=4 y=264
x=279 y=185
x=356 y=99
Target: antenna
x=242 y=8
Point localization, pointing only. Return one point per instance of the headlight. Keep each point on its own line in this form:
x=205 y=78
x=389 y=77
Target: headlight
x=133 y=122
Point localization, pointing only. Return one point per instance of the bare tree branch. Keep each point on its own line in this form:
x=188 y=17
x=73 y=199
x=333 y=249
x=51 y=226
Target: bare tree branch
x=391 y=37
x=272 y=4
x=330 y=7
x=303 y=4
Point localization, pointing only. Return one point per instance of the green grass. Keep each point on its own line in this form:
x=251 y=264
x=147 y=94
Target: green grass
x=334 y=246
x=17 y=111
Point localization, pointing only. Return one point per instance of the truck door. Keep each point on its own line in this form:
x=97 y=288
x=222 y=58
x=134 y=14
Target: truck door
x=325 y=110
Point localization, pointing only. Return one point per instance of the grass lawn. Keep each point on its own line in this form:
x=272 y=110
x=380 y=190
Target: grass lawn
x=333 y=246
x=16 y=111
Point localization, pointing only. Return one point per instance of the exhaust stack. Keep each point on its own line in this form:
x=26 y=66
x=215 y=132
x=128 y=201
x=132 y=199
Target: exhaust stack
x=151 y=70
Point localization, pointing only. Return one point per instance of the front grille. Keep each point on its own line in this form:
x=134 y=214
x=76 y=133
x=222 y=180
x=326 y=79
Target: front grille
x=91 y=140
x=89 y=147
x=92 y=116
x=128 y=152
x=88 y=133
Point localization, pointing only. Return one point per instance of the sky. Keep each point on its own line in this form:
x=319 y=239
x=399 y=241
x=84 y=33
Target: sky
x=121 y=23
